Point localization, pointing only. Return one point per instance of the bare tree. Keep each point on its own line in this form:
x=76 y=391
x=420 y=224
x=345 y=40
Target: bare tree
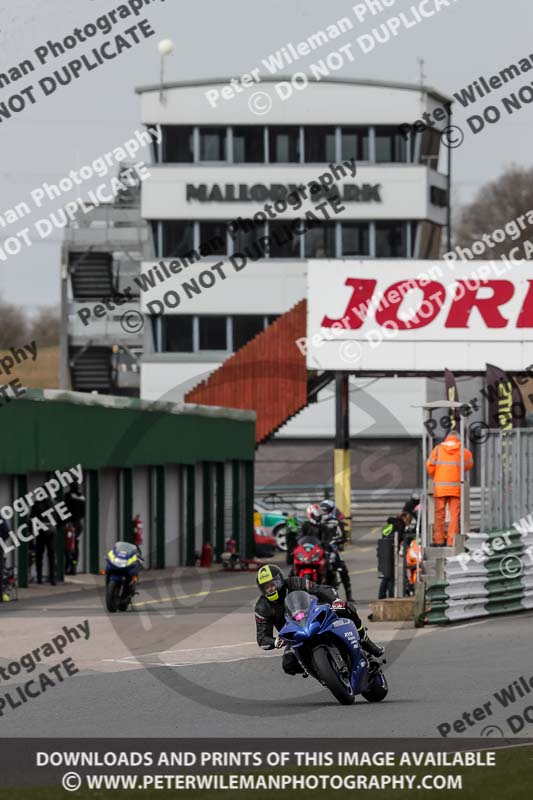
x=13 y=327
x=498 y=206
x=45 y=327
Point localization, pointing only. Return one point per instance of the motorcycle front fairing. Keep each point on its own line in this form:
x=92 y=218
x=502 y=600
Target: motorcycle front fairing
x=122 y=562
x=318 y=620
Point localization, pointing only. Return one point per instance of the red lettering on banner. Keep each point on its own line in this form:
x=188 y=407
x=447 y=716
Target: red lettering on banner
x=357 y=307
x=488 y=307
x=466 y=298
x=387 y=311
x=525 y=318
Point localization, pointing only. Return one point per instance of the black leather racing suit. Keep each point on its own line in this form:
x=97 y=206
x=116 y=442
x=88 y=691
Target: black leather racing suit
x=270 y=615
x=334 y=561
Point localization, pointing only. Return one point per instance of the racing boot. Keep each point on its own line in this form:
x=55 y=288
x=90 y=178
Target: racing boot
x=348 y=589
x=368 y=645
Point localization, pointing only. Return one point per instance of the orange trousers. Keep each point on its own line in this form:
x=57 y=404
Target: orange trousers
x=440 y=519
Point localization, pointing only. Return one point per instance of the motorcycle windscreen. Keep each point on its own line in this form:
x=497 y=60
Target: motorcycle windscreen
x=309 y=542
x=124 y=549
x=297 y=606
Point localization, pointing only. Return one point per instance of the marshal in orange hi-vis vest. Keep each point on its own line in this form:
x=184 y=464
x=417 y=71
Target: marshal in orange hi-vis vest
x=444 y=466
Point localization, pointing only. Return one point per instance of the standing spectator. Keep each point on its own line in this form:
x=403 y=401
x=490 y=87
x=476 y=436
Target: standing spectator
x=4 y=535
x=386 y=554
x=45 y=540
x=75 y=503
x=444 y=466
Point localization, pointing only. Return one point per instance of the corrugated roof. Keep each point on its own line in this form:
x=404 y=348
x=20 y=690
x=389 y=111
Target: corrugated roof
x=114 y=401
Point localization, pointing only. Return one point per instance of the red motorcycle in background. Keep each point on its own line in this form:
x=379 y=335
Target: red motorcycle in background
x=310 y=560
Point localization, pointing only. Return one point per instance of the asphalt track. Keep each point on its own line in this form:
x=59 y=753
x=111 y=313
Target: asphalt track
x=185 y=663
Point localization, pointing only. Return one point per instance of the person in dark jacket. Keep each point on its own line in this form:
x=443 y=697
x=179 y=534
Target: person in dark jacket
x=400 y=525
x=411 y=505
x=5 y=530
x=385 y=553
x=44 y=541
x=270 y=614
x=75 y=503
x=326 y=528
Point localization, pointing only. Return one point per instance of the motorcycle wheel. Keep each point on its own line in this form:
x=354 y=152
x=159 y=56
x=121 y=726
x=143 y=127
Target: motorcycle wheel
x=112 y=592
x=281 y=537
x=378 y=689
x=123 y=604
x=327 y=672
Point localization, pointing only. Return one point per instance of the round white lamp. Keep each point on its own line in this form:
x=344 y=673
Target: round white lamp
x=165 y=47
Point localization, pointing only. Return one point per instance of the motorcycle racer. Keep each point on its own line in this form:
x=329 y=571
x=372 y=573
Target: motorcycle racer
x=270 y=615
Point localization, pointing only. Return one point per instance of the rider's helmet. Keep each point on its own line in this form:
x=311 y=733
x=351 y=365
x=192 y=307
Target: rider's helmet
x=271 y=582
x=328 y=507
x=314 y=513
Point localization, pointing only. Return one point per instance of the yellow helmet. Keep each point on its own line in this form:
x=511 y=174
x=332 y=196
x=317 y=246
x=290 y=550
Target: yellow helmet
x=271 y=582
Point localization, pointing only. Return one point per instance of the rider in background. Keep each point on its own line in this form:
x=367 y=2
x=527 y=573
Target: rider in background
x=270 y=613
x=331 y=512
x=311 y=527
x=411 y=505
x=333 y=537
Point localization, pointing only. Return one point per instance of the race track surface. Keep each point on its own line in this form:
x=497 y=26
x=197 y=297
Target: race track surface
x=185 y=663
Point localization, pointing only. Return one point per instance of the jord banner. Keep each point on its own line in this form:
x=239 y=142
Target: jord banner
x=411 y=316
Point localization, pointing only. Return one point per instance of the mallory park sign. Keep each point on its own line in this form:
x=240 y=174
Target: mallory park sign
x=259 y=192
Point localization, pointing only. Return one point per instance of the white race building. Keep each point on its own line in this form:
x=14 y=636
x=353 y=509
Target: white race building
x=215 y=165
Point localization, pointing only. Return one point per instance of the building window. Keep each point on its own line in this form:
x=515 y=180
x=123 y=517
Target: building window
x=354 y=144
x=247 y=238
x=284 y=242
x=391 y=240
x=438 y=197
x=390 y=145
x=249 y=145
x=213 y=144
x=178 y=239
x=212 y=333
x=284 y=144
x=177 y=144
x=319 y=144
x=430 y=147
x=355 y=239
x=177 y=333
x=320 y=241
x=213 y=239
x=245 y=327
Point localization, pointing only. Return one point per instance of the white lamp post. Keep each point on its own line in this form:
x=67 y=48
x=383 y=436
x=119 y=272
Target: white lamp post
x=166 y=47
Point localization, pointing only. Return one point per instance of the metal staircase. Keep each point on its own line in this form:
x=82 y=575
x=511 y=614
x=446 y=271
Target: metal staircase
x=90 y=370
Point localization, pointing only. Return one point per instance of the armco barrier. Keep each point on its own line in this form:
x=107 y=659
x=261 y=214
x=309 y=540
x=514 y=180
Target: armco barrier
x=495 y=579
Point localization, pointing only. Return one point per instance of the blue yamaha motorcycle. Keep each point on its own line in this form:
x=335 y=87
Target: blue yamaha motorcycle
x=328 y=648
x=122 y=566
